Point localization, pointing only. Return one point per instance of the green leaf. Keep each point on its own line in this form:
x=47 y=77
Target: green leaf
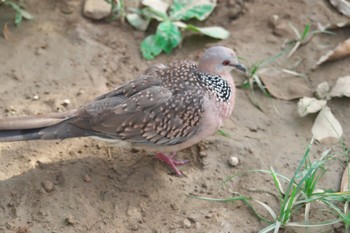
x=188 y=9
x=149 y=47
x=18 y=18
x=25 y=14
x=168 y=36
x=166 y=39
x=137 y=21
x=214 y=32
x=180 y=24
x=157 y=5
x=152 y=13
x=20 y=13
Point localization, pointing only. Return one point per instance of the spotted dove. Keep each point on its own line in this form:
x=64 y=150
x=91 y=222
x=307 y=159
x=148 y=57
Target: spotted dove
x=166 y=109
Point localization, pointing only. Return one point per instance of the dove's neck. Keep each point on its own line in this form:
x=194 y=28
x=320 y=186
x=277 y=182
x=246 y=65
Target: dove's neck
x=229 y=79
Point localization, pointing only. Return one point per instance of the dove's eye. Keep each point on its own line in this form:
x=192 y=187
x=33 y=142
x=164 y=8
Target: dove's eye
x=226 y=62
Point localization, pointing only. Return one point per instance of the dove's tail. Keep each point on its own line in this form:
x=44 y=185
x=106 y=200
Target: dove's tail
x=45 y=127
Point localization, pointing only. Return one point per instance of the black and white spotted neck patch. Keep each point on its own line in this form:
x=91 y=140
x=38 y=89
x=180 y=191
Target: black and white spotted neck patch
x=216 y=84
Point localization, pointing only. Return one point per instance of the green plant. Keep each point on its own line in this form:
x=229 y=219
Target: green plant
x=168 y=34
x=19 y=9
x=302 y=38
x=300 y=194
x=253 y=79
x=289 y=48
x=117 y=9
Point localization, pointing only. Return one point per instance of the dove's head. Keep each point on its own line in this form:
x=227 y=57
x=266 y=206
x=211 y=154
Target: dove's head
x=219 y=60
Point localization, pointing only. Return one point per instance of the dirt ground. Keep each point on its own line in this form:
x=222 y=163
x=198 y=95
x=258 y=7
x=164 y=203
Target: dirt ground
x=84 y=185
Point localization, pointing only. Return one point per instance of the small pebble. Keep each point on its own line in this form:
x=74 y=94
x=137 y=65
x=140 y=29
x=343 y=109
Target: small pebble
x=66 y=102
x=39 y=51
x=233 y=161
x=48 y=185
x=274 y=20
x=10 y=109
x=282 y=30
x=70 y=220
x=35 y=97
x=87 y=178
x=80 y=93
x=187 y=223
x=202 y=153
x=192 y=219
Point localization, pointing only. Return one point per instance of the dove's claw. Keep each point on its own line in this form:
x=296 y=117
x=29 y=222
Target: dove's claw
x=171 y=162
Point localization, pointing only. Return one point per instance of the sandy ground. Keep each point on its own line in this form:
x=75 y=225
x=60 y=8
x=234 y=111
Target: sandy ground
x=84 y=185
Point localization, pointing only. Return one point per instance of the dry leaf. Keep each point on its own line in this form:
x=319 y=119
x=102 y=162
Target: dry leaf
x=342 y=6
x=283 y=85
x=6 y=32
x=331 y=26
x=308 y=105
x=341 y=88
x=344 y=185
x=326 y=128
x=342 y=50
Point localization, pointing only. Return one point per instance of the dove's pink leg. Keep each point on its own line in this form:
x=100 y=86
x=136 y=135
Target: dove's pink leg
x=171 y=162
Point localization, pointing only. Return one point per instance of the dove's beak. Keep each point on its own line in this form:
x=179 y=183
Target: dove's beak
x=240 y=67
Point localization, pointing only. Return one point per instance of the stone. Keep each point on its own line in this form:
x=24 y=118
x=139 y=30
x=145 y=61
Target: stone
x=48 y=186
x=187 y=223
x=96 y=9
x=233 y=161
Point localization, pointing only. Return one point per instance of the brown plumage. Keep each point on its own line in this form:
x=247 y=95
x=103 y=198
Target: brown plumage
x=168 y=108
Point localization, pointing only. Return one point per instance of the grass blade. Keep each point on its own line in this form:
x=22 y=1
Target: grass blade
x=277 y=182
x=244 y=199
x=308 y=224
x=305 y=32
x=345 y=218
x=268 y=229
x=268 y=208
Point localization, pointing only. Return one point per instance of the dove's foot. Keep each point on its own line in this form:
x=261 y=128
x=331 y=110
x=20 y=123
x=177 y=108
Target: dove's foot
x=171 y=162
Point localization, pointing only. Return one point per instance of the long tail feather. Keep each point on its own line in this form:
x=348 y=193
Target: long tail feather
x=46 y=127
